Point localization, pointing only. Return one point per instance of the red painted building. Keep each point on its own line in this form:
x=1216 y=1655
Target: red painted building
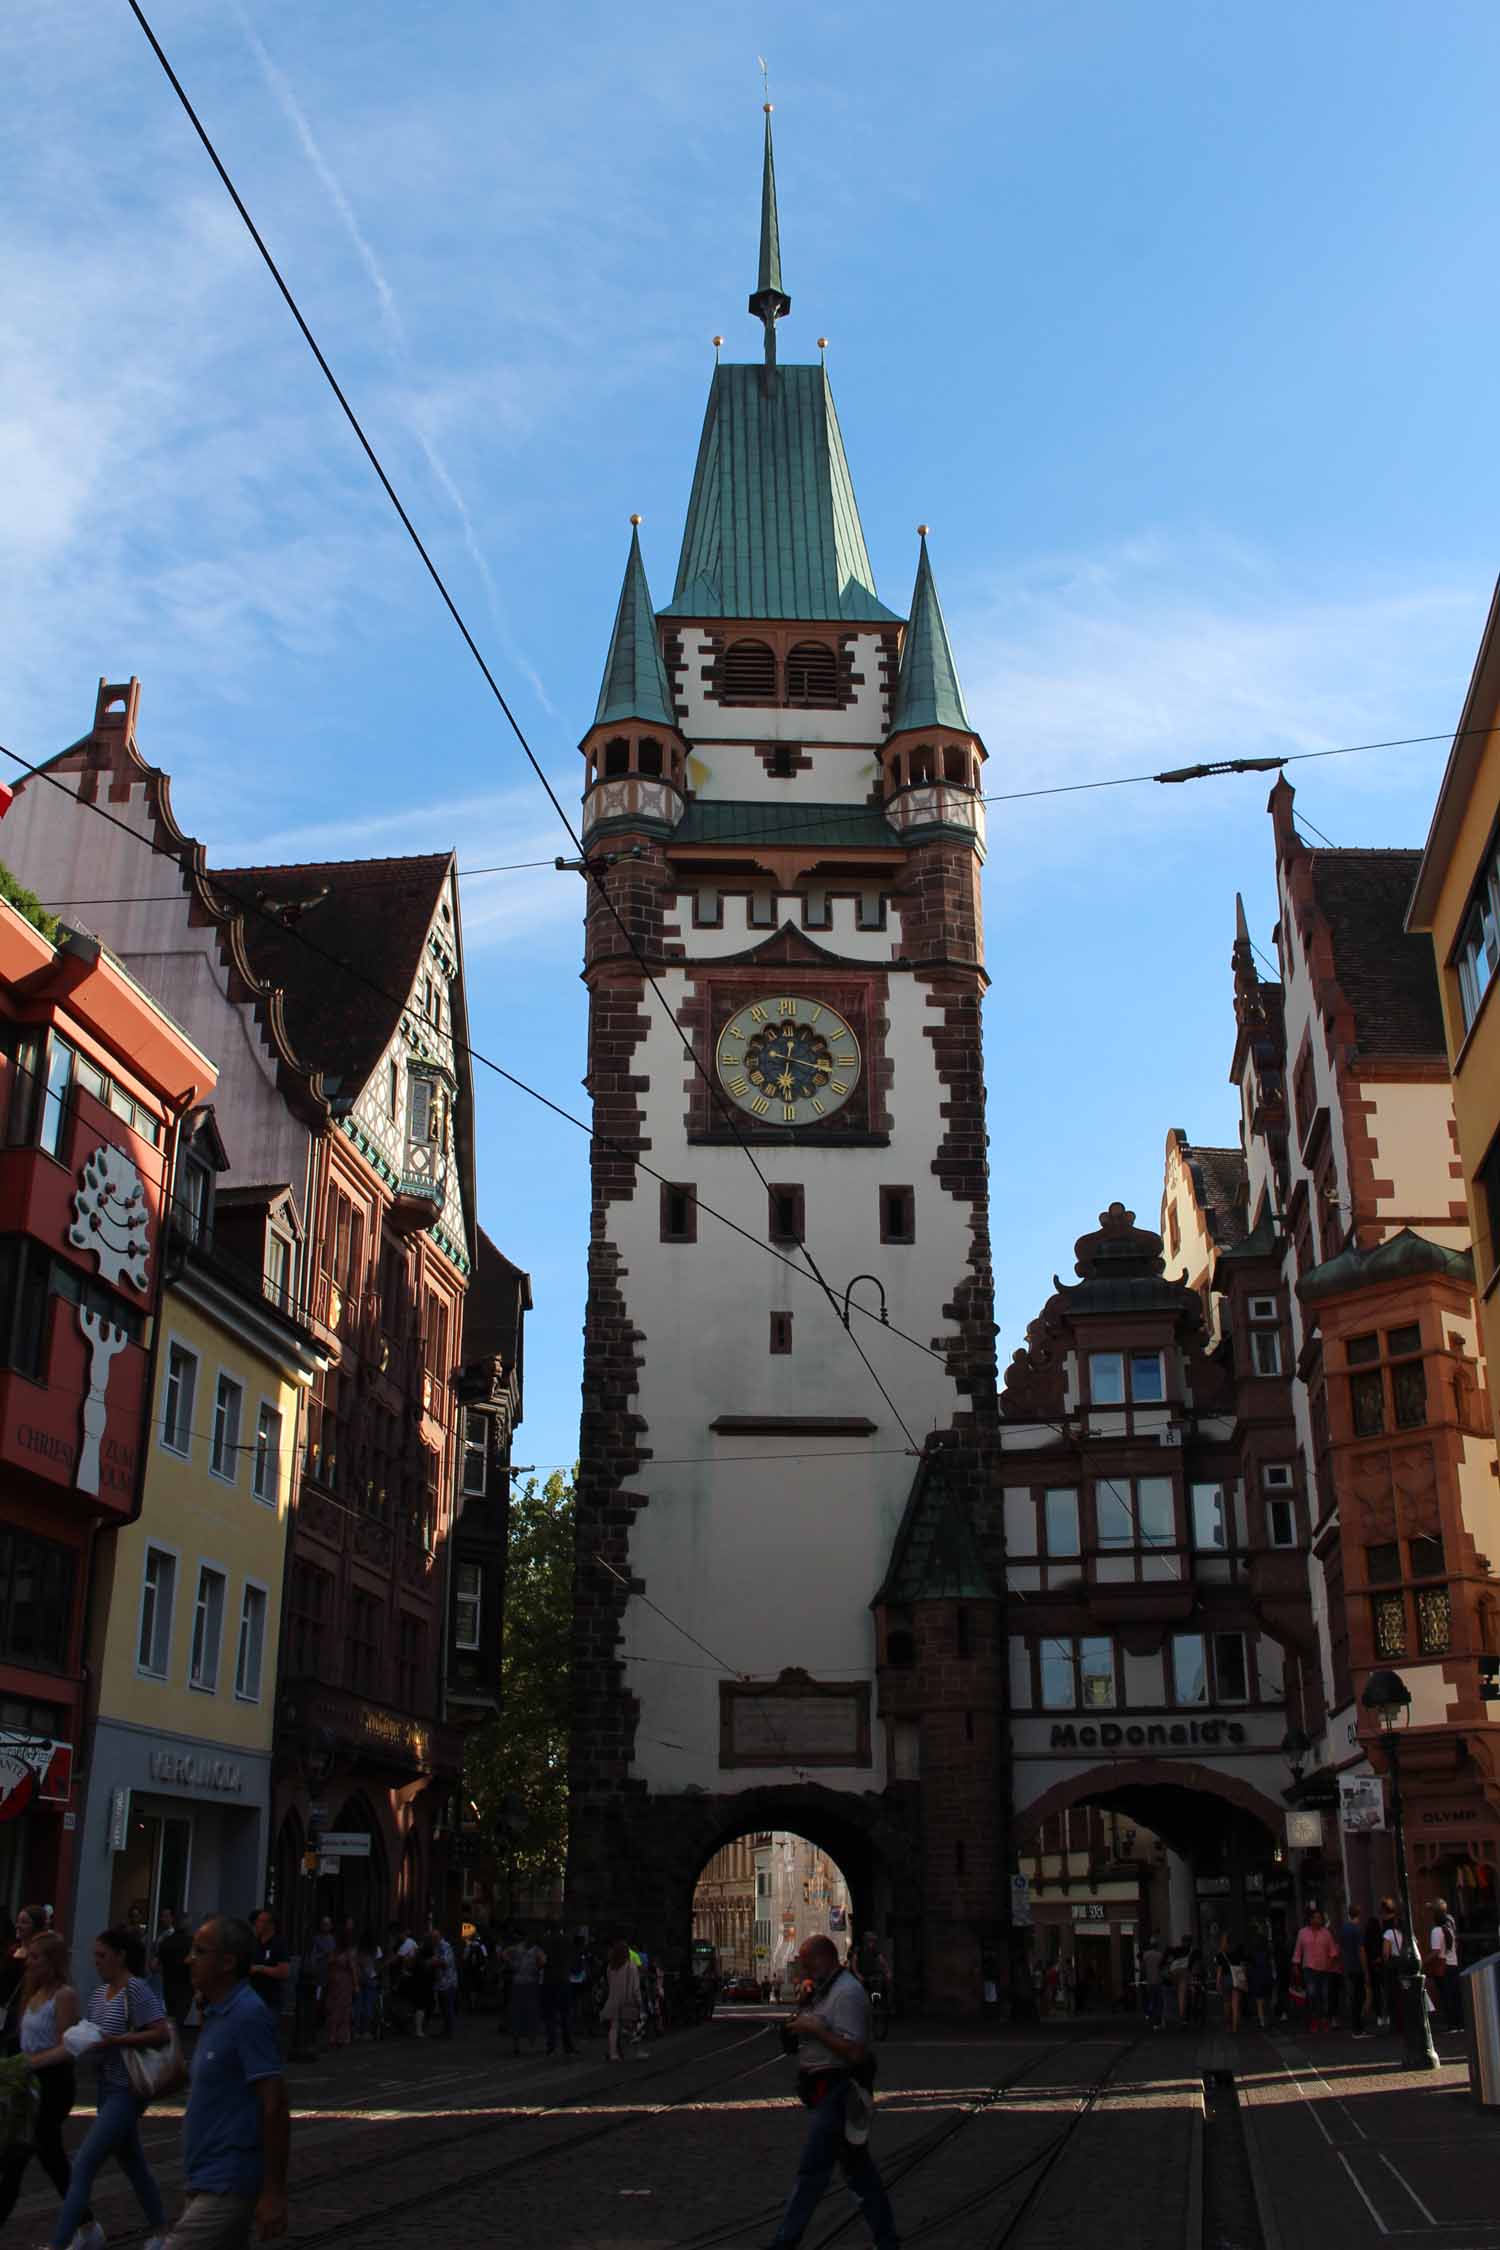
x=95 y=1079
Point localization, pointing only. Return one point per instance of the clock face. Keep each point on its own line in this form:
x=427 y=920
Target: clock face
x=788 y=1061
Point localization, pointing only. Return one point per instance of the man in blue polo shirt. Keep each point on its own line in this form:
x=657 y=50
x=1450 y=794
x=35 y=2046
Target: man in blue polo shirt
x=237 y=2130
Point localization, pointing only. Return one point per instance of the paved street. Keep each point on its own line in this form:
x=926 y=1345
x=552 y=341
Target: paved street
x=1045 y=2136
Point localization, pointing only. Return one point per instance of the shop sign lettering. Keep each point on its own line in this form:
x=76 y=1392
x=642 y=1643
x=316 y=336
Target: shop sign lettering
x=192 y=1772
x=1176 y=1734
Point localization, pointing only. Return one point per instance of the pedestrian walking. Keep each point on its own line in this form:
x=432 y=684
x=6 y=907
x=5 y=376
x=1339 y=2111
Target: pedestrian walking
x=368 y=2011
x=444 y=1979
x=1356 y=1968
x=622 y=2002
x=1392 y=1955
x=315 y=1969
x=45 y=2007
x=125 y=2013
x=271 y=1971
x=1260 y=1977
x=830 y=2036
x=557 y=1991
x=525 y=1962
x=1316 y=1955
x=29 y=1923
x=1151 y=1983
x=169 y=1963
x=236 y=2130
x=340 y=1989
x=1443 y=1979
x=1231 y=1979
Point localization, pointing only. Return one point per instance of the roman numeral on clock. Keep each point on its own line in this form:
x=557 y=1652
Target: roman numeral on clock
x=789 y=1113
x=760 y=1107
x=787 y=1007
x=758 y=1014
x=738 y=1086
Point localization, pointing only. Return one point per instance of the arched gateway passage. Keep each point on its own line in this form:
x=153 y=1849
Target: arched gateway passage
x=1121 y=1852
x=756 y=1903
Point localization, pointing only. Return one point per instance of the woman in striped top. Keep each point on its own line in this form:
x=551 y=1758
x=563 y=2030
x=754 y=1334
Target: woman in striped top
x=128 y=2014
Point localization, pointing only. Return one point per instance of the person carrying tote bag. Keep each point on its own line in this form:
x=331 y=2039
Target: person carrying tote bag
x=128 y=2020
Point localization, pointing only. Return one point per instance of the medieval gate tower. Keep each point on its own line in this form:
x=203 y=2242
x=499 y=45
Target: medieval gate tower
x=783 y=814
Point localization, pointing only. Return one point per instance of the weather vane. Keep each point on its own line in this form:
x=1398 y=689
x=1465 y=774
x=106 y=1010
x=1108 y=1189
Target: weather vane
x=765 y=80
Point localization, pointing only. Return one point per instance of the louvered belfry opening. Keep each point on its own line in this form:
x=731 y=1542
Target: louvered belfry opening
x=812 y=675
x=748 y=673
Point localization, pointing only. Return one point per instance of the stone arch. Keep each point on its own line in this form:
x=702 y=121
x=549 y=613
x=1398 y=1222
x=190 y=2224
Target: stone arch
x=1105 y=1781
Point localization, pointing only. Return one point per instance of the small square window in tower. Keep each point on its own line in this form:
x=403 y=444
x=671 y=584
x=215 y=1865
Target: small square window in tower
x=781 y=1333
x=898 y=1215
x=787 y=1214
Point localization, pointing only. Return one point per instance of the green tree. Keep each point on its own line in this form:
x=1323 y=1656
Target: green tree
x=27 y=903
x=517 y=1766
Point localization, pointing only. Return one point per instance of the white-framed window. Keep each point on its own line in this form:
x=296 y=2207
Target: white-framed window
x=208 y=1630
x=1135 y=1512
x=1231 y=1668
x=1263 y=1308
x=476 y=1451
x=266 y=1478
x=1478 y=953
x=252 y=1644
x=1210 y=1519
x=1110 y=1371
x=1281 y=1510
x=229 y=1399
x=158 y=1592
x=1060 y=1510
x=1265 y=1351
x=177 y=1399
x=278 y=1266
x=1077 y=1675
x=468 y=1602
x=1189 y=1668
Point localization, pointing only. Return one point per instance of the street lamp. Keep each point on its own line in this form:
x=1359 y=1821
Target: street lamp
x=1388 y=1698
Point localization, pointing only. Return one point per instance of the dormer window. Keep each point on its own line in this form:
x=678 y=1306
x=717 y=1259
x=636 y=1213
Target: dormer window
x=748 y=673
x=423 y=1111
x=193 y=1198
x=812 y=675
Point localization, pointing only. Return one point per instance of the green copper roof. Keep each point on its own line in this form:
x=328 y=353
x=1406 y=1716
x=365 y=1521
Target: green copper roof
x=927 y=689
x=635 y=679
x=772 y=525
x=841 y=827
x=935 y=1556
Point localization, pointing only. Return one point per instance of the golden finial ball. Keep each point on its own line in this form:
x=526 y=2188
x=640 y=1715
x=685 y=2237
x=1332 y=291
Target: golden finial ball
x=635 y=519
x=822 y=343
x=768 y=107
x=923 y=529
x=718 y=340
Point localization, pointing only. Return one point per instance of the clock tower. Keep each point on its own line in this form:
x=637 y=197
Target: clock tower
x=789 y=1345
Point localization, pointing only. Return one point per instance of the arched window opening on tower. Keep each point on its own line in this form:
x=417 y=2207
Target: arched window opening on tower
x=812 y=675
x=957 y=768
x=648 y=758
x=748 y=673
x=920 y=763
x=616 y=758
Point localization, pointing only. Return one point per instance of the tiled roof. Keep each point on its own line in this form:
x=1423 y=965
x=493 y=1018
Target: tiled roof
x=927 y=689
x=772 y=527
x=715 y=821
x=1221 y=1175
x=935 y=1555
x=499 y=1295
x=371 y=915
x=1387 y=977
x=635 y=679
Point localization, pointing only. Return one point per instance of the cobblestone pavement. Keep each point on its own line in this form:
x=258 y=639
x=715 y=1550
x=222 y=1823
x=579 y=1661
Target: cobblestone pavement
x=1041 y=2137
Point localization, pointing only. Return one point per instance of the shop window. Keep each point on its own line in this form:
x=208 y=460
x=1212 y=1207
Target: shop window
x=1060 y=1512
x=747 y=673
x=679 y=1211
x=266 y=1476
x=468 y=1604
x=208 y=1630
x=158 y=1592
x=898 y=1214
x=812 y=675
x=250 y=1655
x=1189 y=1669
x=36 y=1600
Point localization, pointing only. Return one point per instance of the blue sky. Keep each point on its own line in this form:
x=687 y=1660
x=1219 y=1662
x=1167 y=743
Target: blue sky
x=1172 y=323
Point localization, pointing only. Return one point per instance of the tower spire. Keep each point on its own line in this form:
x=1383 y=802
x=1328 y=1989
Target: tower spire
x=770 y=301
x=927 y=689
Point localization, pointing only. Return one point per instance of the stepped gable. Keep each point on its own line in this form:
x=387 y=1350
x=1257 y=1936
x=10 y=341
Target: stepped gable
x=302 y=923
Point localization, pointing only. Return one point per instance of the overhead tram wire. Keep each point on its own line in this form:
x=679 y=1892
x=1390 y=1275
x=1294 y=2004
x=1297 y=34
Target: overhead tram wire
x=999 y=797
x=689 y=1046
x=475 y=1054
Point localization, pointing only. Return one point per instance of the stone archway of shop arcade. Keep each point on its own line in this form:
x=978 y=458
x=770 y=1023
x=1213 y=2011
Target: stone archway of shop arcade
x=1237 y=1872
x=852 y=1858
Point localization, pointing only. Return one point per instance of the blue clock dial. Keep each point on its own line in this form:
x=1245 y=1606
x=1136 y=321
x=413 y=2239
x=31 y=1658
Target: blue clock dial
x=788 y=1061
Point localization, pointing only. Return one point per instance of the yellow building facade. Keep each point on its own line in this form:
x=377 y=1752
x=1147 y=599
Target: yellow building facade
x=1457 y=901
x=187 y=1605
